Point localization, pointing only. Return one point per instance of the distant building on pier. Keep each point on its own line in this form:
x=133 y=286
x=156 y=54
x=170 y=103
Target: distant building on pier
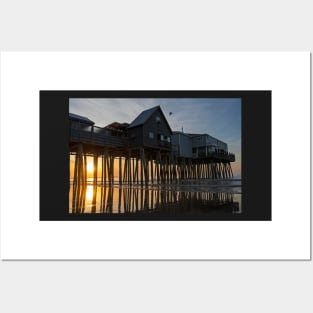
x=196 y=145
x=79 y=122
x=117 y=129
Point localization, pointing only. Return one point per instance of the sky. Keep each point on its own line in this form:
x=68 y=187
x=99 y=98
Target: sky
x=220 y=118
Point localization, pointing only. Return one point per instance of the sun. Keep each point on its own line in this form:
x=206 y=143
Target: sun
x=90 y=166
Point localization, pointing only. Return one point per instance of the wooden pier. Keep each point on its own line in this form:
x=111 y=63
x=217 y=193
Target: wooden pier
x=139 y=165
x=142 y=153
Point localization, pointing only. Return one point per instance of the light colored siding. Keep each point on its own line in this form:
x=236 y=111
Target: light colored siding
x=187 y=145
x=207 y=140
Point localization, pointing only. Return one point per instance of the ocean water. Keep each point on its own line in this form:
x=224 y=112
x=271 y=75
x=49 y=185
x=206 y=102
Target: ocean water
x=193 y=198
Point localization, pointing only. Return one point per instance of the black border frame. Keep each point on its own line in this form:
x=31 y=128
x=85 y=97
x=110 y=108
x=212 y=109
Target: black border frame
x=54 y=151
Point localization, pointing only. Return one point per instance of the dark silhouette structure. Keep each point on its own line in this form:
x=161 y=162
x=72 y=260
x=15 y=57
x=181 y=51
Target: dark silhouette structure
x=151 y=130
x=146 y=151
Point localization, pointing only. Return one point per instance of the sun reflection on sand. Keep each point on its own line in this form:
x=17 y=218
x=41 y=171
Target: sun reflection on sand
x=89 y=193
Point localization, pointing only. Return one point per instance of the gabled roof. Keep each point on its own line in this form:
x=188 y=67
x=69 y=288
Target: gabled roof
x=79 y=118
x=117 y=126
x=145 y=115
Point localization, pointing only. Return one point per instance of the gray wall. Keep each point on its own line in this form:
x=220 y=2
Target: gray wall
x=139 y=136
x=183 y=143
x=156 y=128
x=197 y=146
x=206 y=140
x=135 y=136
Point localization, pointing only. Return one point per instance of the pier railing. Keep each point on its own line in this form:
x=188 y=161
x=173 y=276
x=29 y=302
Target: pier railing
x=97 y=136
x=224 y=156
x=216 y=155
x=93 y=135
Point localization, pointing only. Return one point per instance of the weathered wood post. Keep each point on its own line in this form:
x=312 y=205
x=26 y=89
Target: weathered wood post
x=120 y=170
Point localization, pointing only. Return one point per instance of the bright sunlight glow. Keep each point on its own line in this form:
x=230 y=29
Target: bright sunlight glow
x=89 y=193
x=90 y=166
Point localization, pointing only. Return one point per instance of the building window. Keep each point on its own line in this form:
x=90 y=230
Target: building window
x=151 y=135
x=157 y=119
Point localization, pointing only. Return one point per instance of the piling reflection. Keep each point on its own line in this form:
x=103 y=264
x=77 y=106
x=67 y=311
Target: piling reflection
x=153 y=201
